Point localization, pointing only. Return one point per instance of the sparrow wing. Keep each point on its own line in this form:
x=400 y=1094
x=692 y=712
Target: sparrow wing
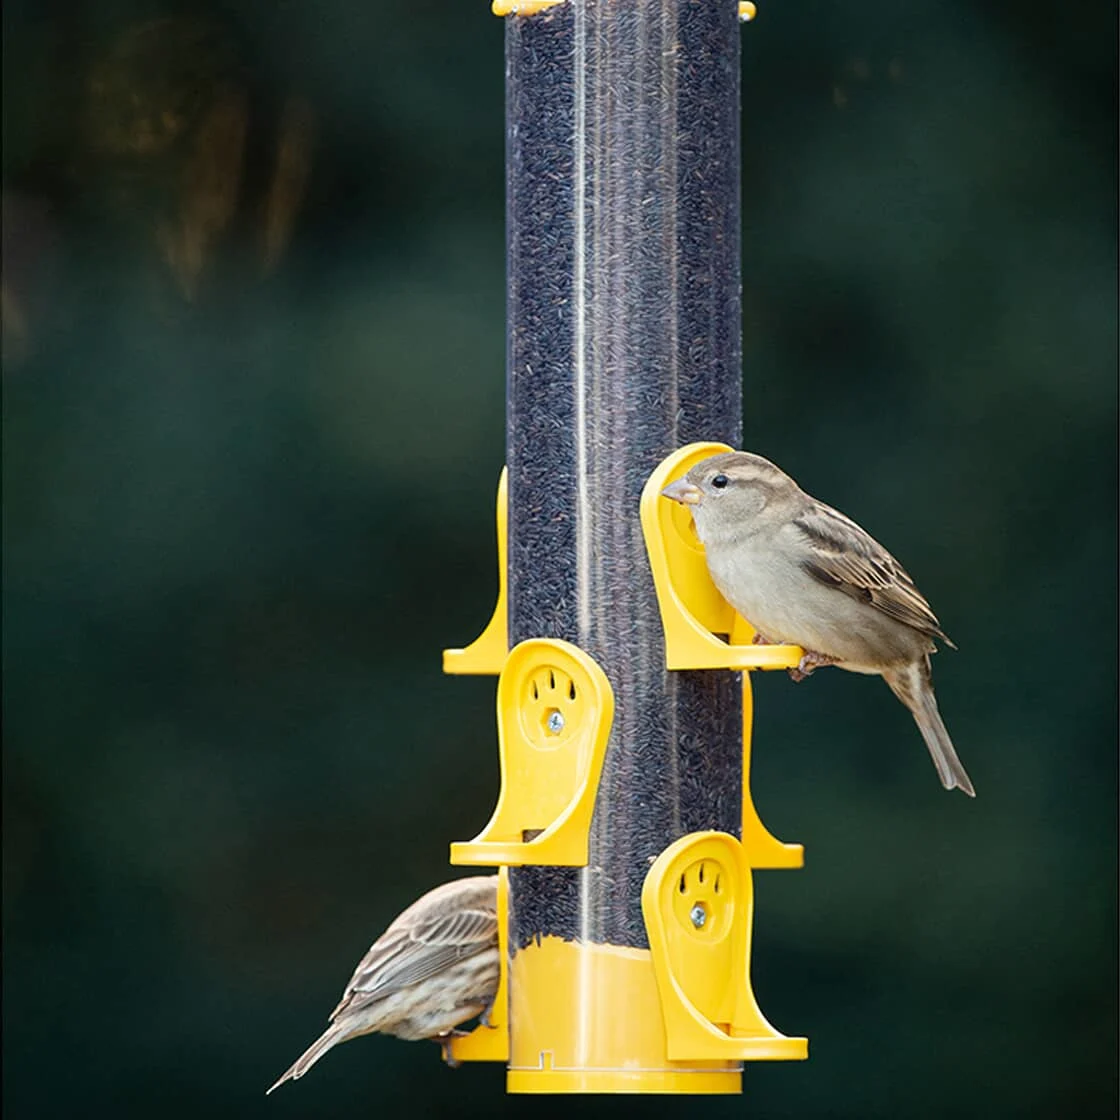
x=417 y=949
x=846 y=557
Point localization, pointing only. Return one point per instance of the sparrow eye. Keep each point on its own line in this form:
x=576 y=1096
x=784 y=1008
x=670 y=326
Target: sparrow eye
x=720 y=481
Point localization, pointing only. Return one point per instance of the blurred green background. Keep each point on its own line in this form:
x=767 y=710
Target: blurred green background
x=252 y=428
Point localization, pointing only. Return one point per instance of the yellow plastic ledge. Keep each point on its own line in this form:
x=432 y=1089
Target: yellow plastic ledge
x=489 y=1042
x=693 y=612
x=555 y=707
x=698 y=905
x=487 y=653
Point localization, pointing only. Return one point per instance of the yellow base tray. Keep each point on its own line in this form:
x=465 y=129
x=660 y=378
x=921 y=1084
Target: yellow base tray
x=695 y=1083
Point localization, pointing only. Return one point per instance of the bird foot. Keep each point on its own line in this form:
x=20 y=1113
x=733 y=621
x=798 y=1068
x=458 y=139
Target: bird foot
x=444 y=1041
x=761 y=640
x=484 y=1018
x=809 y=662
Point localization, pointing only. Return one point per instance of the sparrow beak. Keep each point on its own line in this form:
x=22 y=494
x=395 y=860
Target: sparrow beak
x=683 y=492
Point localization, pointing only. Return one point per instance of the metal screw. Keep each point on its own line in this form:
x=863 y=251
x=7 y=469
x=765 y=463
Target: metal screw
x=555 y=722
x=698 y=915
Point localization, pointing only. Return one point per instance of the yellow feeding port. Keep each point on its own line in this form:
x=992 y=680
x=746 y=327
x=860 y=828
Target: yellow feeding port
x=698 y=905
x=487 y=653
x=555 y=709
x=693 y=612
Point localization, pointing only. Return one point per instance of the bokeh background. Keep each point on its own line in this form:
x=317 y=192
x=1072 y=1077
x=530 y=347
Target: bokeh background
x=253 y=419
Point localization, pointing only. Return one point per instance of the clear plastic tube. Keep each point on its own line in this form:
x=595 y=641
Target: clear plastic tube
x=624 y=320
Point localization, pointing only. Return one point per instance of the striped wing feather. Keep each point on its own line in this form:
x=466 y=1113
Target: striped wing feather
x=410 y=953
x=846 y=557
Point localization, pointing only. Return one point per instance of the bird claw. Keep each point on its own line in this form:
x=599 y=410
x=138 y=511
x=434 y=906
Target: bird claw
x=810 y=661
x=761 y=640
x=445 y=1041
x=484 y=1018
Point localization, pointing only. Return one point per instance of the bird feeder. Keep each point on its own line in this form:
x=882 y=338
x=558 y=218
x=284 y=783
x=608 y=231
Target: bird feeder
x=624 y=827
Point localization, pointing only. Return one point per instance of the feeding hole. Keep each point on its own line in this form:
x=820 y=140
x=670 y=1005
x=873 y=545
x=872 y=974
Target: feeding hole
x=682 y=888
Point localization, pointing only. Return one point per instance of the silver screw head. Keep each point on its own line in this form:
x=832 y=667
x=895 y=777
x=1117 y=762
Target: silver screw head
x=555 y=722
x=698 y=915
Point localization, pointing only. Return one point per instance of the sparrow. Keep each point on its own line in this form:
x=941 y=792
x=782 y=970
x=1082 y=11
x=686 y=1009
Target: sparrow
x=802 y=573
x=435 y=967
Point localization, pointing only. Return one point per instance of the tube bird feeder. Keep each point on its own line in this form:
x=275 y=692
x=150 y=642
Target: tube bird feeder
x=624 y=821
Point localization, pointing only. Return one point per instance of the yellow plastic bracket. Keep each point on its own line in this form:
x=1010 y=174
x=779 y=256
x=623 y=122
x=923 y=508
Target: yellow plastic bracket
x=693 y=612
x=762 y=849
x=489 y=1042
x=555 y=708
x=698 y=904
x=487 y=653
x=522 y=7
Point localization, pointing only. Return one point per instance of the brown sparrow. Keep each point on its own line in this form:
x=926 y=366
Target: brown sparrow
x=802 y=573
x=435 y=967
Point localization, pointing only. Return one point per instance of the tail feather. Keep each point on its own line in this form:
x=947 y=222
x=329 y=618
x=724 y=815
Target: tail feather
x=330 y=1037
x=913 y=685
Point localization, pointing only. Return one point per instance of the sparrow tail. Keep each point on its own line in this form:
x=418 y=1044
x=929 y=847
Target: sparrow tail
x=330 y=1037
x=914 y=687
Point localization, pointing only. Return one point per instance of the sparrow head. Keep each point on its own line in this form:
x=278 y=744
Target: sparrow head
x=728 y=492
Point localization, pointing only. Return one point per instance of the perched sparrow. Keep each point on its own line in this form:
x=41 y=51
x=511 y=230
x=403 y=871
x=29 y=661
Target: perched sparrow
x=435 y=967
x=800 y=572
